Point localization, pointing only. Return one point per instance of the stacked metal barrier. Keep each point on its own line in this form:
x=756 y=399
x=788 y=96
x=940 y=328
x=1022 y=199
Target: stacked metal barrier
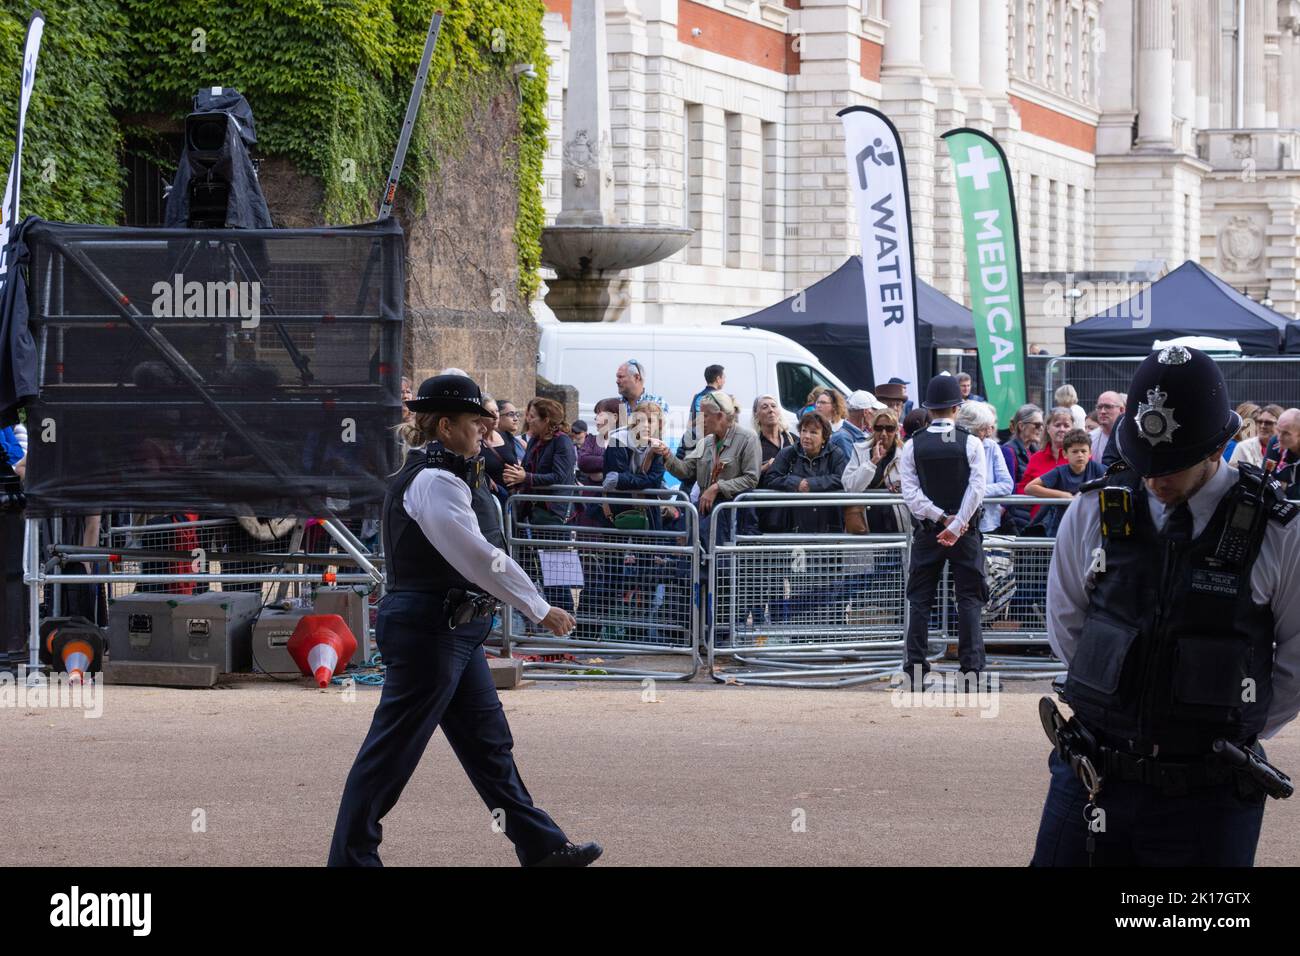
x=176 y=556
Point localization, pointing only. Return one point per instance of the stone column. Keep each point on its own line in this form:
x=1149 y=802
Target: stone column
x=819 y=230
x=1288 y=113
x=993 y=58
x=1207 y=63
x=966 y=38
x=936 y=37
x=1254 y=62
x=908 y=98
x=636 y=168
x=1156 y=74
x=1271 y=65
x=903 y=41
x=1185 y=69
x=950 y=112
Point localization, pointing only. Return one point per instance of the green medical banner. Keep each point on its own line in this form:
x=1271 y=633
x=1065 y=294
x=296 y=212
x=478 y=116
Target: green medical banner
x=988 y=212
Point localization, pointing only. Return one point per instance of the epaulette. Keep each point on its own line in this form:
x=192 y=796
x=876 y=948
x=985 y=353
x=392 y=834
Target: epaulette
x=1284 y=511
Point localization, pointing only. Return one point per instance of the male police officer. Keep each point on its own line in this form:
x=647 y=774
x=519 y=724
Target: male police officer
x=432 y=623
x=942 y=472
x=1172 y=579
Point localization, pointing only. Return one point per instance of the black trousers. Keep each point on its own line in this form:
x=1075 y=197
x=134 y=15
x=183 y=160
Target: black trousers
x=1210 y=826
x=434 y=677
x=924 y=573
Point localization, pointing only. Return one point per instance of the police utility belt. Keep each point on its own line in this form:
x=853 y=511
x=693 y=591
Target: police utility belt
x=1094 y=762
x=459 y=605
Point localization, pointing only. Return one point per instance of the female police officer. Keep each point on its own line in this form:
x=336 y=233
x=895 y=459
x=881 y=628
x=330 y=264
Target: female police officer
x=431 y=624
x=1174 y=596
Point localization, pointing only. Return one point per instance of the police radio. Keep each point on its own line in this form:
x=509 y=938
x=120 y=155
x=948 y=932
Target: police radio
x=1247 y=511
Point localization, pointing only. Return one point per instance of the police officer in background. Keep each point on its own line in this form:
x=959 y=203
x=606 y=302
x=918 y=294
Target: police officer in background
x=443 y=578
x=942 y=473
x=1172 y=580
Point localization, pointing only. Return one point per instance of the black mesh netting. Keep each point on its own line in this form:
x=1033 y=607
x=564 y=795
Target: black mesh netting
x=220 y=371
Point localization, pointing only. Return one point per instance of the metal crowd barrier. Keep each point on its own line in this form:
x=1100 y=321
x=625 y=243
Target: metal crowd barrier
x=633 y=591
x=830 y=610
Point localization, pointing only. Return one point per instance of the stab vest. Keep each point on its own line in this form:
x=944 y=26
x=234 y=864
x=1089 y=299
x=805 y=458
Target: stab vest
x=1174 y=650
x=412 y=563
x=942 y=466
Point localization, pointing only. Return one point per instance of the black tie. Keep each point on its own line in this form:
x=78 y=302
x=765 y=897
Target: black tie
x=1178 y=526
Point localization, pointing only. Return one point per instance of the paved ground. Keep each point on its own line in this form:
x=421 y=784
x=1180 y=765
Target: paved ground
x=703 y=775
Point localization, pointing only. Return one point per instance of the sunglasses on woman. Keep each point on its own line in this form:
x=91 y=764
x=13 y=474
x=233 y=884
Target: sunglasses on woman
x=886 y=428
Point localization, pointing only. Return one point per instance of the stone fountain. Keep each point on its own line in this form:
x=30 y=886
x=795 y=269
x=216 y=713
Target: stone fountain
x=589 y=249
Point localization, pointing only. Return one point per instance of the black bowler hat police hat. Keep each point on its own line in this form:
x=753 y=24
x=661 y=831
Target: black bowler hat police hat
x=942 y=392
x=448 y=393
x=1178 y=412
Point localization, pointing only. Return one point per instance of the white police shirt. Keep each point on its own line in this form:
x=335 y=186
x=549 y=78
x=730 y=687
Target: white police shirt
x=440 y=504
x=1274 y=580
x=923 y=507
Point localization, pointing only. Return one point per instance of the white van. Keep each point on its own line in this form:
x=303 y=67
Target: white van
x=587 y=356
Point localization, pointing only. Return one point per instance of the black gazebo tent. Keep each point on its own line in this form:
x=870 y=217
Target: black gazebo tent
x=831 y=322
x=1191 y=300
x=1293 y=337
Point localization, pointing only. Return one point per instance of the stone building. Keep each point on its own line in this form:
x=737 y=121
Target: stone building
x=1140 y=134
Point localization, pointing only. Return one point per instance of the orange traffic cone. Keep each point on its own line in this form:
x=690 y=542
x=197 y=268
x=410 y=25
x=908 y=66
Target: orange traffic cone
x=72 y=643
x=320 y=645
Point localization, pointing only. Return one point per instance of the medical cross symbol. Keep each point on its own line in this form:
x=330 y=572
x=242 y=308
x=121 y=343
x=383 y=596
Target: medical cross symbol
x=977 y=167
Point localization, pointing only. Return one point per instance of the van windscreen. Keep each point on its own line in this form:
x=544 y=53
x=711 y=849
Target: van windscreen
x=795 y=381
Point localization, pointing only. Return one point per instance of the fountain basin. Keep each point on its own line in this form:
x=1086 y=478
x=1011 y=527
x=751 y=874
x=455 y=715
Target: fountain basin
x=583 y=252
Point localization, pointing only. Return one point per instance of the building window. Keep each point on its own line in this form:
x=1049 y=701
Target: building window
x=1088 y=227
x=694 y=181
x=1053 y=226
x=1035 y=225
x=772 y=212
x=731 y=215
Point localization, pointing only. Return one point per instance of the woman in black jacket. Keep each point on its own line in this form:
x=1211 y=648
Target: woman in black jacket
x=550 y=459
x=813 y=465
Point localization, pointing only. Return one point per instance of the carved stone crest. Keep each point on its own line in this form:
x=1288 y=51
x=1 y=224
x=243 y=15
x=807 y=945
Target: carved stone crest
x=1241 y=244
x=582 y=155
x=1243 y=146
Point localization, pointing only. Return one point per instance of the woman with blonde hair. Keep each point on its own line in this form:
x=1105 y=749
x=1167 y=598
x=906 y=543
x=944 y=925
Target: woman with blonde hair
x=1067 y=397
x=1251 y=451
x=630 y=464
x=1246 y=412
x=886 y=443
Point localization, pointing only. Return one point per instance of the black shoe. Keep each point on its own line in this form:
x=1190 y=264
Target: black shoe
x=570 y=855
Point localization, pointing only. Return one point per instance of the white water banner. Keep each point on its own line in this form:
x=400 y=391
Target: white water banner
x=878 y=181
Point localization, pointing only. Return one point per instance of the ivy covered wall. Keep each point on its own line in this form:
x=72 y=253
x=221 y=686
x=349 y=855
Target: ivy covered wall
x=328 y=81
